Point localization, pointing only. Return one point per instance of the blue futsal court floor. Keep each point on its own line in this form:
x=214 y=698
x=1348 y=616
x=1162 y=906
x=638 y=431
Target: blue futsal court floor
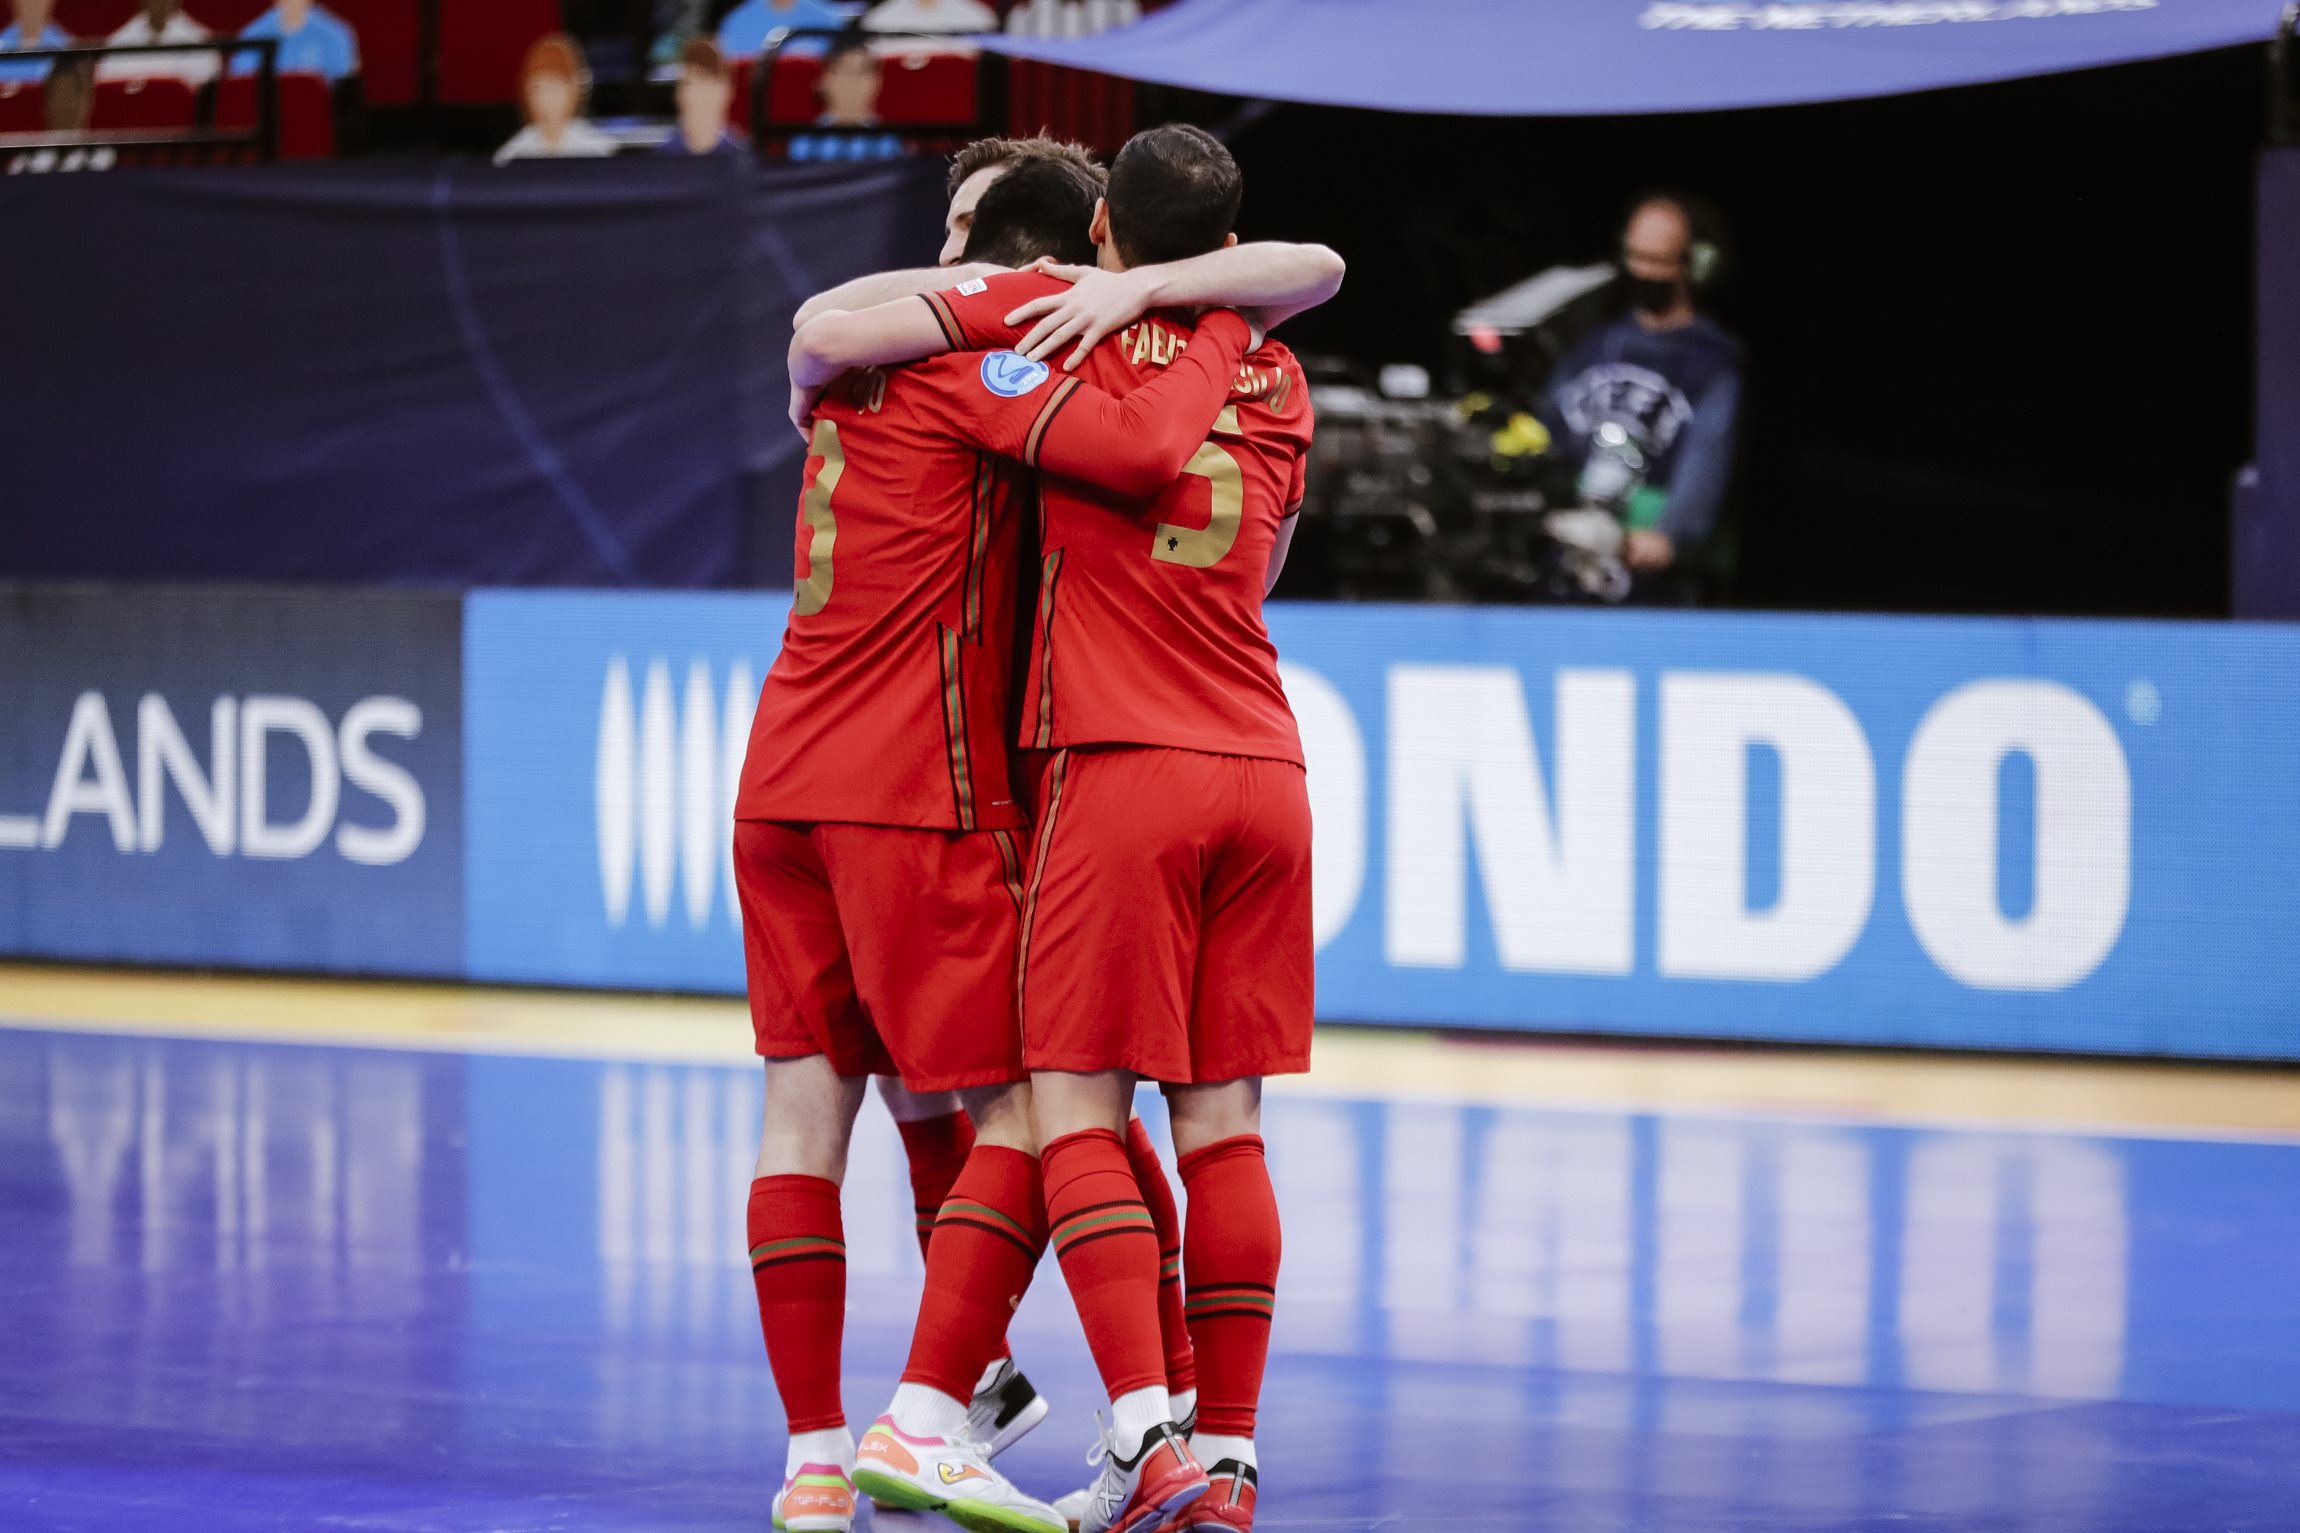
x=267 y=1285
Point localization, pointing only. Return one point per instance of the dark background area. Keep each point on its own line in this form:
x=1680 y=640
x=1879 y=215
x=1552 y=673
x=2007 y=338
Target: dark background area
x=2000 y=337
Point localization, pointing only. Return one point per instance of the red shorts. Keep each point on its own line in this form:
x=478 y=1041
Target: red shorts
x=888 y=950
x=1167 y=926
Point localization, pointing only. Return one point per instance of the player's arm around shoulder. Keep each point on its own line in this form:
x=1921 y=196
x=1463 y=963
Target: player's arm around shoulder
x=909 y=328
x=890 y=287
x=883 y=335
x=1267 y=282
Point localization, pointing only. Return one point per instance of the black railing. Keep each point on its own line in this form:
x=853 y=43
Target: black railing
x=262 y=135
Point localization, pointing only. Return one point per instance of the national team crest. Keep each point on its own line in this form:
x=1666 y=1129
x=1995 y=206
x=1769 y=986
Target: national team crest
x=1010 y=374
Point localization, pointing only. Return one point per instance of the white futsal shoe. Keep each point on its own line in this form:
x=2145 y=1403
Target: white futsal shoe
x=950 y=1475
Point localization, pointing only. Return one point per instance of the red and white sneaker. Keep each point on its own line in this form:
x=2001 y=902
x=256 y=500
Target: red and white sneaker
x=1141 y=1494
x=818 y=1498
x=1230 y=1501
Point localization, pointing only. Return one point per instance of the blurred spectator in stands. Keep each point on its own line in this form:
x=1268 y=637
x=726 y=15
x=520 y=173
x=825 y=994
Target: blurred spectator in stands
x=68 y=101
x=1670 y=378
x=160 y=21
x=1070 y=18
x=756 y=25
x=552 y=86
x=849 y=90
x=30 y=29
x=312 y=40
x=931 y=16
x=705 y=91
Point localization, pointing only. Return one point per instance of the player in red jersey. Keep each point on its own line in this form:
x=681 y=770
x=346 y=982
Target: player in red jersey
x=1274 y=279
x=936 y=1132
x=1167 y=930
x=878 y=869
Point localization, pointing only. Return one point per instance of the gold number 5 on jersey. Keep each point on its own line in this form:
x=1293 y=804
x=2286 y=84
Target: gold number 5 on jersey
x=814 y=592
x=1203 y=547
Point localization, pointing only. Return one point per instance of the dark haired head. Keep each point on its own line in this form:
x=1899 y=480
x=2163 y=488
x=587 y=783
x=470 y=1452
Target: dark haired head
x=1038 y=207
x=1174 y=193
x=850 y=41
x=984 y=153
x=699 y=55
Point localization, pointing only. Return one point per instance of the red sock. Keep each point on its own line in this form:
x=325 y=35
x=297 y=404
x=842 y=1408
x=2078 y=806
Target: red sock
x=1109 y=1253
x=1158 y=1197
x=937 y=1148
x=799 y=1265
x=1232 y=1246
x=986 y=1245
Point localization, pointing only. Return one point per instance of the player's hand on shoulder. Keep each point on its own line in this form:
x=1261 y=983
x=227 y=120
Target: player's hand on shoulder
x=1095 y=304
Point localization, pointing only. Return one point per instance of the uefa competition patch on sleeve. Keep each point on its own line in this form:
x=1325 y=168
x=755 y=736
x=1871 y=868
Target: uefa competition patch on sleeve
x=969 y=288
x=1010 y=374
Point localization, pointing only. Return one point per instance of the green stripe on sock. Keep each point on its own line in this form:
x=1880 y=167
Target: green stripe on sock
x=818 y=1242
x=1261 y=1302
x=1064 y=1234
x=983 y=1210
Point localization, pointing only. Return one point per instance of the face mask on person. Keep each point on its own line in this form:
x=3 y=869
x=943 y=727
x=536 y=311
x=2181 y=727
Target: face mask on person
x=1651 y=295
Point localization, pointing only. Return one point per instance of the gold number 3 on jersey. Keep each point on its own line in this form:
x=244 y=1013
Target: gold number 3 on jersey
x=814 y=592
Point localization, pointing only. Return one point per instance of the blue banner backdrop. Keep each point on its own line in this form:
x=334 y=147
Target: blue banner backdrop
x=2034 y=835
x=1507 y=58
x=2047 y=835
x=253 y=779
x=422 y=374
x=605 y=742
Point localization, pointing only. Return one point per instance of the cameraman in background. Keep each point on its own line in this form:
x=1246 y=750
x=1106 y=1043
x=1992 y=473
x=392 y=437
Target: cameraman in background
x=1645 y=407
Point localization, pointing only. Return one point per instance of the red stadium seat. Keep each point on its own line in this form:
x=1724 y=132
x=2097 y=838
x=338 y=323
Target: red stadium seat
x=934 y=85
x=225 y=15
x=93 y=19
x=739 y=109
x=21 y=110
x=928 y=85
x=307 y=113
x=390 y=47
x=791 y=90
x=155 y=104
x=481 y=44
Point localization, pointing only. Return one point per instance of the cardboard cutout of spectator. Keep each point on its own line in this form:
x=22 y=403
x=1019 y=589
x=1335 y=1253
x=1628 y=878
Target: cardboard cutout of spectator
x=160 y=21
x=931 y=16
x=553 y=84
x=705 y=92
x=312 y=40
x=68 y=101
x=848 y=89
x=756 y=25
x=32 y=28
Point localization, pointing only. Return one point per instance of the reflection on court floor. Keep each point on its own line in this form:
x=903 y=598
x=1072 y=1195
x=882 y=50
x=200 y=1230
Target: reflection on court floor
x=256 y=1285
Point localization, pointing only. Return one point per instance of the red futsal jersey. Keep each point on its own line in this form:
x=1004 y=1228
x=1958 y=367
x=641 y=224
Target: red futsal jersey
x=888 y=704
x=1149 y=628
